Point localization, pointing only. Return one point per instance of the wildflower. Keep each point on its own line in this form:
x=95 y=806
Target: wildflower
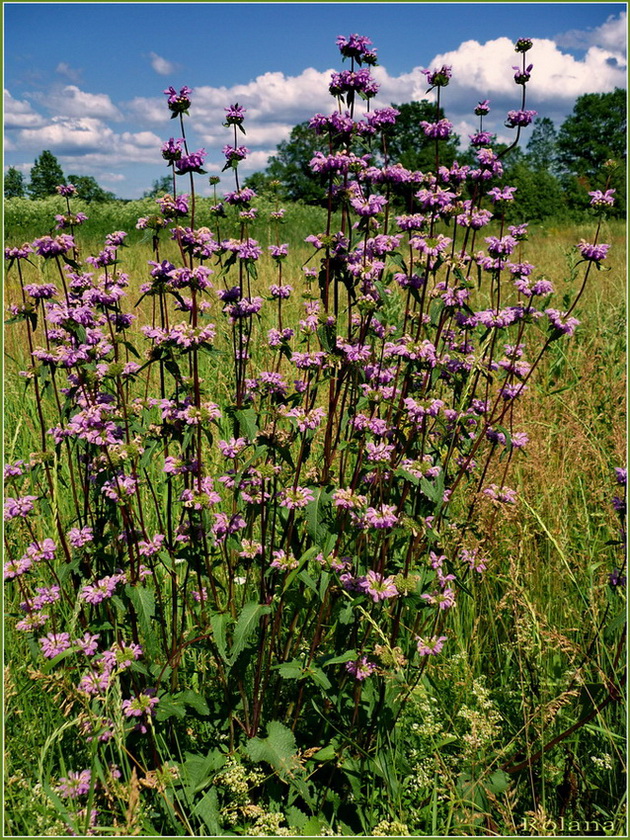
x=361 y=668
x=519 y=118
x=141 y=704
x=94 y=593
x=54 y=644
x=191 y=163
x=234 y=154
x=500 y=494
x=382 y=517
x=621 y=475
x=75 y=784
x=483 y=108
x=88 y=644
x=594 y=253
x=66 y=190
x=430 y=647
x=438 y=130
x=560 y=322
x=602 y=199
x=523 y=45
x=355 y=46
x=234 y=115
x=121 y=655
x=616 y=578
x=18 y=507
x=522 y=76
x=178 y=103
x=438 y=78
x=16 y=568
x=283 y=561
x=378 y=587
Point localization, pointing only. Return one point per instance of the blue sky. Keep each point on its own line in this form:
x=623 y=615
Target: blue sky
x=85 y=80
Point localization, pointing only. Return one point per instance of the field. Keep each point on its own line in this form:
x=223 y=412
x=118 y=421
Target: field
x=516 y=728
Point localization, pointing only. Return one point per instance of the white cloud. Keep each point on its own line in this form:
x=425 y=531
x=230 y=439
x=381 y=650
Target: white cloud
x=88 y=139
x=162 y=66
x=611 y=35
x=72 y=74
x=71 y=101
x=20 y=114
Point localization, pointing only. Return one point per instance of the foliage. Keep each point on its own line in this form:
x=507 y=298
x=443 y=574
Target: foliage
x=89 y=190
x=14 y=186
x=46 y=175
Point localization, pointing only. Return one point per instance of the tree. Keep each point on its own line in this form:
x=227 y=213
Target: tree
x=290 y=166
x=89 y=190
x=14 y=186
x=159 y=187
x=408 y=143
x=593 y=134
x=542 y=146
x=46 y=174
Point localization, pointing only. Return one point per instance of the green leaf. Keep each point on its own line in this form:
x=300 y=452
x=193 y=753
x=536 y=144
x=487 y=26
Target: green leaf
x=143 y=601
x=314 y=515
x=218 y=623
x=291 y=670
x=278 y=749
x=247 y=623
x=208 y=809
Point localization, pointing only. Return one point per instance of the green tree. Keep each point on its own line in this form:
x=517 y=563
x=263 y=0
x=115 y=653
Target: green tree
x=542 y=146
x=14 y=186
x=46 y=174
x=290 y=166
x=408 y=143
x=159 y=187
x=594 y=133
x=89 y=190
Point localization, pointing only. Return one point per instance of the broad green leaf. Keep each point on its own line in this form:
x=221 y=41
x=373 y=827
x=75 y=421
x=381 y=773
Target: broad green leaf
x=278 y=749
x=208 y=809
x=246 y=624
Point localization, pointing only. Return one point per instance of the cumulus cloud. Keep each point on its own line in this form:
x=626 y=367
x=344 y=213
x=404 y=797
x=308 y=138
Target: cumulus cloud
x=20 y=114
x=611 y=35
x=71 y=101
x=162 y=66
x=90 y=138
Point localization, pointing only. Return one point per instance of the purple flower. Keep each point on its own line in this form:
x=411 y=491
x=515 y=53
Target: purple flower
x=430 y=647
x=616 y=578
x=141 y=704
x=234 y=115
x=49 y=246
x=178 y=103
x=54 y=644
x=439 y=130
x=234 y=154
x=602 y=199
x=18 y=507
x=94 y=593
x=66 y=189
x=361 y=668
x=172 y=149
x=283 y=561
x=296 y=498
x=191 y=163
x=75 y=784
x=594 y=253
x=378 y=587
x=522 y=76
x=483 y=108
x=560 y=322
x=356 y=47
x=520 y=118
x=622 y=475
x=439 y=78
x=88 y=644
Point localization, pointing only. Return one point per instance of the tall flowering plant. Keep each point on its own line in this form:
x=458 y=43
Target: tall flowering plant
x=272 y=525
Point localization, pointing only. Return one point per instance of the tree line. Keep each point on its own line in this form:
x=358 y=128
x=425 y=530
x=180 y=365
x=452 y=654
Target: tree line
x=553 y=173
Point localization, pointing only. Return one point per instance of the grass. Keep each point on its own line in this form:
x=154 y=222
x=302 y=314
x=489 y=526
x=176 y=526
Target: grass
x=523 y=719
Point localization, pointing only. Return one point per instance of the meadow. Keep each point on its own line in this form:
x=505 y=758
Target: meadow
x=327 y=542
